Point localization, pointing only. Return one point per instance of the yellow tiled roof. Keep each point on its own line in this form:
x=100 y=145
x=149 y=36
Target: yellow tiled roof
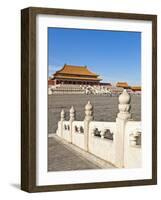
x=75 y=70
x=136 y=87
x=122 y=84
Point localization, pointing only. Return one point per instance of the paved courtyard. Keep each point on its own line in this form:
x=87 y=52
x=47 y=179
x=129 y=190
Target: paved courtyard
x=62 y=158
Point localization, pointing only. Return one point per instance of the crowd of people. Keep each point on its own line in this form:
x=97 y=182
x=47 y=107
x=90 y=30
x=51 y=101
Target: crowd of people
x=88 y=89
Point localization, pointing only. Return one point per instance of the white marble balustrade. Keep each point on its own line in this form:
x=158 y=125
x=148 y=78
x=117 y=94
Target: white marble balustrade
x=116 y=142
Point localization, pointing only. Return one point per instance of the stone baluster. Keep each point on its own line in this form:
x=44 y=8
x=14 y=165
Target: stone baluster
x=88 y=118
x=122 y=117
x=62 y=115
x=72 y=118
x=62 y=118
x=88 y=112
x=72 y=114
x=124 y=106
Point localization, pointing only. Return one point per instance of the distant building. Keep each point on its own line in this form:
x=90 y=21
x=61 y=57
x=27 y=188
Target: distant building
x=79 y=79
x=123 y=85
x=51 y=82
x=74 y=75
x=136 y=88
x=105 y=84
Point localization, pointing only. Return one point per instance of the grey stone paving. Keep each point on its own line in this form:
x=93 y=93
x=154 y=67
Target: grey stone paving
x=61 y=158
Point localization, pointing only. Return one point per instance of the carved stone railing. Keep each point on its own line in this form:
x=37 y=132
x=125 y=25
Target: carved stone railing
x=117 y=142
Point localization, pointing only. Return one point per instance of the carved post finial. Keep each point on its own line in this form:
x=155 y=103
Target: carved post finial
x=88 y=111
x=62 y=115
x=72 y=114
x=124 y=105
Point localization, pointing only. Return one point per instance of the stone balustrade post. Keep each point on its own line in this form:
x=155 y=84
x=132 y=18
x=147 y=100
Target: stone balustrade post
x=122 y=117
x=72 y=118
x=62 y=115
x=87 y=119
x=62 y=118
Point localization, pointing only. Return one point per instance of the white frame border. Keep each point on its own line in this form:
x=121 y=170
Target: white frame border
x=43 y=177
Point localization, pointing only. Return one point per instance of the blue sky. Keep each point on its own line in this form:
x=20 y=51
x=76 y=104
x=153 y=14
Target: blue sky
x=114 y=55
